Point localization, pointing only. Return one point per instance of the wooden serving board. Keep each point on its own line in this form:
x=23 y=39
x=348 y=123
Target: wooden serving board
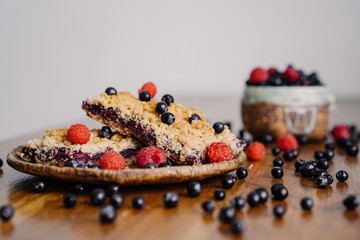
x=175 y=174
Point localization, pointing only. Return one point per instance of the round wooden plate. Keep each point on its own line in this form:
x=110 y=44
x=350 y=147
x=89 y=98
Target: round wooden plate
x=175 y=174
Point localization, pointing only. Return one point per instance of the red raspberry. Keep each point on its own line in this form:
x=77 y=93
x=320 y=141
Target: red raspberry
x=258 y=75
x=150 y=87
x=78 y=134
x=218 y=152
x=271 y=70
x=340 y=130
x=256 y=151
x=150 y=154
x=112 y=160
x=291 y=74
x=287 y=142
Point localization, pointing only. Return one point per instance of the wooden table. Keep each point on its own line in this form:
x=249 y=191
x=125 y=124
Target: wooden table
x=42 y=216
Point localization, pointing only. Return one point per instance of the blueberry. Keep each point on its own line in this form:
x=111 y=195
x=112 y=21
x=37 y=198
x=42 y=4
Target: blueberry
x=38 y=186
x=208 y=206
x=322 y=182
x=277 y=172
x=279 y=211
x=111 y=91
x=78 y=188
x=351 y=202
x=105 y=134
x=319 y=173
x=228 y=182
x=263 y=194
x=295 y=153
x=168 y=118
x=150 y=165
x=70 y=201
x=330 y=178
x=219 y=194
x=138 y=202
x=164 y=164
x=83 y=165
x=288 y=155
x=275 y=151
x=171 y=200
x=113 y=188
x=267 y=138
x=237 y=226
x=279 y=191
x=161 y=107
x=227 y=214
x=241 y=173
x=238 y=203
x=319 y=154
x=299 y=164
x=306 y=203
x=167 y=98
x=106 y=129
x=94 y=166
x=313 y=163
x=342 y=175
x=302 y=139
x=6 y=212
x=116 y=200
x=278 y=162
x=329 y=146
x=72 y=163
x=97 y=196
x=194 y=189
x=253 y=199
x=343 y=142
x=308 y=169
x=323 y=164
x=329 y=154
x=144 y=96
x=194 y=117
x=218 y=127
x=107 y=214
x=1 y=162
x=275 y=81
x=352 y=150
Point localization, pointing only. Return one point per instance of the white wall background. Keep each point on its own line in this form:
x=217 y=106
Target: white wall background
x=53 y=54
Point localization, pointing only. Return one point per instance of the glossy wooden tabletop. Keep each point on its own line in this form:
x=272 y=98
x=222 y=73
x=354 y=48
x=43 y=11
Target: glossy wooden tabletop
x=43 y=216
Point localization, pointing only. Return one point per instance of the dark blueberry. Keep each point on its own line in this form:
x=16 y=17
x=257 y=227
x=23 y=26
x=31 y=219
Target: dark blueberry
x=308 y=169
x=167 y=98
x=1 y=162
x=277 y=172
x=295 y=153
x=97 y=196
x=78 y=188
x=279 y=192
x=330 y=146
x=313 y=163
x=113 y=188
x=219 y=194
x=241 y=173
x=275 y=151
x=72 y=163
x=38 y=186
x=138 y=202
x=267 y=138
x=322 y=182
x=228 y=182
x=238 y=203
x=319 y=154
x=342 y=175
x=323 y=164
x=253 y=199
x=276 y=186
x=144 y=96
x=208 y=206
x=106 y=129
x=299 y=164
x=228 y=124
x=351 y=202
x=329 y=154
x=278 y=162
x=352 y=128
x=306 y=203
x=241 y=134
x=107 y=214
x=70 y=201
x=94 y=166
x=83 y=165
x=218 y=127
x=168 y=118
x=111 y=91
x=6 y=212
x=279 y=211
x=116 y=200
x=150 y=165
x=194 y=117
x=275 y=81
x=164 y=164
x=288 y=155
x=161 y=107
x=171 y=200
x=319 y=173
x=330 y=178
x=194 y=189
x=227 y=214
x=237 y=226
x=352 y=150
x=263 y=194
x=302 y=139
x=343 y=142
x=105 y=134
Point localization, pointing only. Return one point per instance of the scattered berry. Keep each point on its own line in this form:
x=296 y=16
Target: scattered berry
x=107 y=214
x=351 y=202
x=168 y=118
x=38 y=186
x=171 y=200
x=241 y=173
x=150 y=154
x=342 y=175
x=306 y=203
x=194 y=117
x=78 y=188
x=116 y=200
x=275 y=151
x=78 y=134
x=150 y=87
x=323 y=164
x=167 y=98
x=319 y=173
x=267 y=138
x=238 y=203
x=352 y=150
x=219 y=152
x=161 y=107
x=340 y=131
x=70 y=201
x=329 y=154
x=113 y=188
x=218 y=127
x=329 y=146
x=319 y=154
x=6 y=212
x=219 y=194
x=112 y=160
x=227 y=214
x=138 y=202
x=279 y=191
x=289 y=155
x=302 y=139
x=287 y=142
x=228 y=182
x=308 y=169
x=322 y=182
x=299 y=164
x=208 y=206
x=277 y=172
x=263 y=194
x=279 y=211
x=111 y=91
x=258 y=75
x=237 y=226
x=330 y=178
x=278 y=162
x=194 y=189
x=144 y=96
x=97 y=196
x=253 y=199
x=256 y=151
x=291 y=75
x=295 y=152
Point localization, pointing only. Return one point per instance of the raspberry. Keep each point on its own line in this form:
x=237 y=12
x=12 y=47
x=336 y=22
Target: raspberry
x=112 y=160
x=150 y=154
x=218 y=152
x=287 y=142
x=256 y=151
x=150 y=87
x=291 y=74
x=258 y=75
x=78 y=134
x=340 y=130
x=271 y=70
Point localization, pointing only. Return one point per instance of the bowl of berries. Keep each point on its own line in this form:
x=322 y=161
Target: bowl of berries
x=278 y=103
